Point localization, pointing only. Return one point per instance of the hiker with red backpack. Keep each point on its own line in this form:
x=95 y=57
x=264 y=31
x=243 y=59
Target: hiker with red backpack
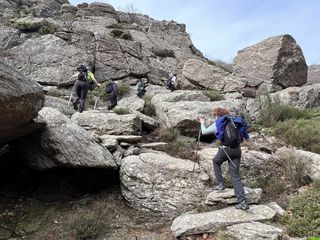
x=230 y=130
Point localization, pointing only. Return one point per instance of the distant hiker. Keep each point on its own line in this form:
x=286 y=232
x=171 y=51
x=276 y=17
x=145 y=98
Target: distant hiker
x=82 y=85
x=141 y=87
x=172 y=82
x=230 y=130
x=112 y=91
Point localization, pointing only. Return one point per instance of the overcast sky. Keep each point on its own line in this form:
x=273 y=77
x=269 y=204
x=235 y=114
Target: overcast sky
x=219 y=28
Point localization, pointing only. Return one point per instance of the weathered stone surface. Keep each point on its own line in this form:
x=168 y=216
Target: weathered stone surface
x=312 y=160
x=159 y=183
x=252 y=162
x=228 y=196
x=301 y=97
x=207 y=222
x=20 y=101
x=49 y=59
x=179 y=95
x=68 y=8
x=133 y=103
x=63 y=143
x=314 y=74
x=276 y=60
x=279 y=210
x=9 y=37
x=100 y=9
x=123 y=138
x=147 y=122
x=254 y=231
x=59 y=104
x=109 y=123
x=203 y=74
x=184 y=114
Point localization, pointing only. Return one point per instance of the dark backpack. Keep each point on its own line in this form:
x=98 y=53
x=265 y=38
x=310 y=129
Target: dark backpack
x=231 y=134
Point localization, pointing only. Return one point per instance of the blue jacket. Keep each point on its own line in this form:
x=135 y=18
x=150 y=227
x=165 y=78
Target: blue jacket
x=222 y=121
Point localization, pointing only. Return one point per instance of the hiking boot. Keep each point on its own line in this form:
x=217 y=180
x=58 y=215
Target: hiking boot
x=242 y=205
x=219 y=187
x=75 y=106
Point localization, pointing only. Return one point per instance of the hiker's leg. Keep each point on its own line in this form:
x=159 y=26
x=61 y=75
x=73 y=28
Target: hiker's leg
x=84 y=92
x=77 y=87
x=234 y=171
x=218 y=159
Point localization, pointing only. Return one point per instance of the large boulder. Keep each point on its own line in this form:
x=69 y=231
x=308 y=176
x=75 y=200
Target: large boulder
x=50 y=60
x=314 y=74
x=109 y=123
x=254 y=231
x=214 y=221
x=179 y=112
x=157 y=182
x=20 y=101
x=302 y=97
x=204 y=74
x=63 y=143
x=276 y=62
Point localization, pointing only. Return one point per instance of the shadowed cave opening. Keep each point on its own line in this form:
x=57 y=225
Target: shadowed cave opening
x=18 y=179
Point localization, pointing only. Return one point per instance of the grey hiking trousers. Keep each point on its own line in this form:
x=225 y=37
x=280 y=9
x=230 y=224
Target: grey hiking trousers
x=221 y=157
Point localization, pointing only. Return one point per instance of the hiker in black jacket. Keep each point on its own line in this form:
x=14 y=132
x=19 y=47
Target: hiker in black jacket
x=112 y=90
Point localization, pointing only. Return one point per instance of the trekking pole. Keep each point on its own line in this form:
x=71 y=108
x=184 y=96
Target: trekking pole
x=95 y=104
x=228 y=156
x=70 y=98
x=197 y=149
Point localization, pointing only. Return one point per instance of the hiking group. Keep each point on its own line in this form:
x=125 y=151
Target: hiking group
x=231 y=131
x=84 y=83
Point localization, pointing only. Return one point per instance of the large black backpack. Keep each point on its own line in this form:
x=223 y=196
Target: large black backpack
x=231 y=134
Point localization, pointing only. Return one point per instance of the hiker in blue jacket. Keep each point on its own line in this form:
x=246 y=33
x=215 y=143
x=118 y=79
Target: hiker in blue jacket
x=227 y=153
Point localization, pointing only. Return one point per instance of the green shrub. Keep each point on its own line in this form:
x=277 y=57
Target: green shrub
x=87 y=225
x=43 y=27
x=123 y=89
x=313 y=238
x=101 y=92
x=301 y=133
x=213 y=95
x=115 y=25
x=120 y=111
x=164 y=53
x=149 y=109
x=273 y=111
x=117 y=33
x=303 y=214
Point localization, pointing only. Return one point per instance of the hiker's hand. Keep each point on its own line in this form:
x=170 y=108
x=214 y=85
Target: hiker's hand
x=99 y=84
x=201 y=119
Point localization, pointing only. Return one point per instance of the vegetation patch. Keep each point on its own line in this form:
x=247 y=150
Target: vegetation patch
x=43 y=27
x=123 y=89
x=164 y=53
x=120 y=111
x=101 y=92
x=87 y=225
x=302 y=216
x=117 y=33
x=149 y=109
x=213 y=95
x=303 y=133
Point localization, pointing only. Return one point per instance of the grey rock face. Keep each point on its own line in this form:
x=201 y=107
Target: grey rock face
x=9 y=37
x=254 y=231
x=59 y=104
x=49 y=59
x=302 y=97
x=63 y=143
x=277 y=60
x=20 y=101
x=213 y=221
x=203 y=74
x=109 y=123
x=159 y=183
x=184 y=114
x=314 y=74
x=228 y=196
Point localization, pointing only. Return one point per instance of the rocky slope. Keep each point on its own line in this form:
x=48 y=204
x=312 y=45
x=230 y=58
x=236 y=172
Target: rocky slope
x=45 y=41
